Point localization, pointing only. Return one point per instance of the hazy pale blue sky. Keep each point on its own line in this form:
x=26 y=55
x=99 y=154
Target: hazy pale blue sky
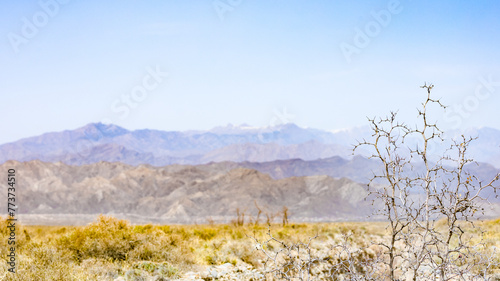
x=321 y=64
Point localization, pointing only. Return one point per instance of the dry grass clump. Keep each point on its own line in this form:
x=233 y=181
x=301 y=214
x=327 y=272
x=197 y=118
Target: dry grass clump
x=110 y=248
x=103 y=250
x=353 y=251
x=106 y=238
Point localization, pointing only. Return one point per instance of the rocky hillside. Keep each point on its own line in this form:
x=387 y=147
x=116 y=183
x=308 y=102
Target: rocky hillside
x=181 y=194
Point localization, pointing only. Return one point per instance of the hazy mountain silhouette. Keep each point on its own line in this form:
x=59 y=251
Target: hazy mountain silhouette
x=99 y=142
x=182 y=194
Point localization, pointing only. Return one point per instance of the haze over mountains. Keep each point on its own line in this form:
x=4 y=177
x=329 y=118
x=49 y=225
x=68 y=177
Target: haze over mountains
x=99 y=142
x=313 y=190
x=181 y=194
x=194 y=176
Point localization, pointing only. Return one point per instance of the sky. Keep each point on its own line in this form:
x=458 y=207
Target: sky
x=195 y=65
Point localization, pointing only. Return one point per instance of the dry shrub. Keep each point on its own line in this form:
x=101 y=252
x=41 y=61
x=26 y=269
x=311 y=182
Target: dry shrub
x=108 y=238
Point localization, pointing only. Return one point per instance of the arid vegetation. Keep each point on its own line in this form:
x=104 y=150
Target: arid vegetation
x=431 y=234
x=109 y=249
x=429 y=206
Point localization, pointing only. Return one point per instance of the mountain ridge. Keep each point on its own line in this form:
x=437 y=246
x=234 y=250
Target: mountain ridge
x=97 y=141
x=331 y=189
x=180 y=194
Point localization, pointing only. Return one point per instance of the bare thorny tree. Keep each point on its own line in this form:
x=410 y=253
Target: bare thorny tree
x=430 y=204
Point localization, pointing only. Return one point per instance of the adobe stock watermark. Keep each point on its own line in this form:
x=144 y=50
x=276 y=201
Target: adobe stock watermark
x=138 y=94
x=122 y=106
x=280 y=117
x=31 y=26
x=458 y=112
x=363 y=36
x=222 y=7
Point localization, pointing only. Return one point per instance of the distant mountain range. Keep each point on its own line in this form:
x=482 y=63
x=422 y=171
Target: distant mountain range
x=100 y=142
x=181 y=194
x=195 y=176
x=329 y=189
